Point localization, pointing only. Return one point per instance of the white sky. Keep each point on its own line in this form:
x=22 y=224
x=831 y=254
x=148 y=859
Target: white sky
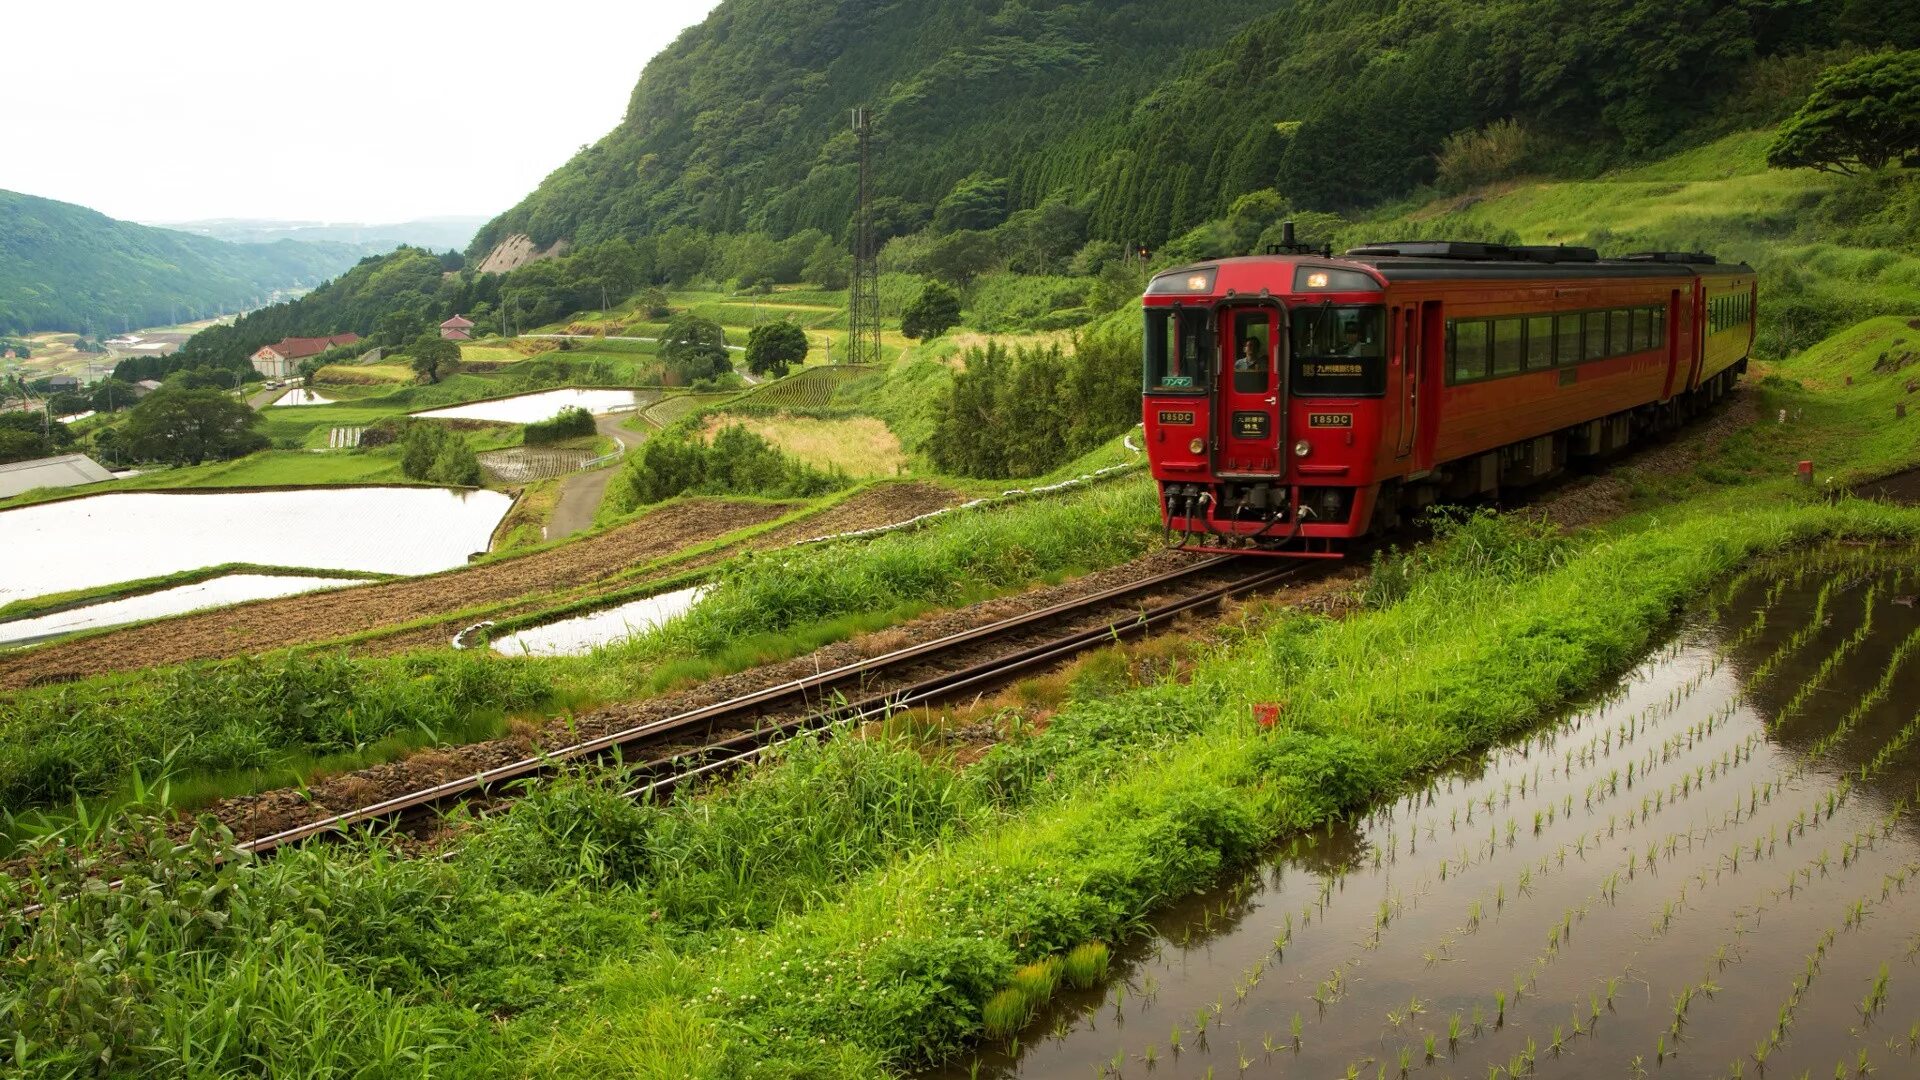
x=338 y=110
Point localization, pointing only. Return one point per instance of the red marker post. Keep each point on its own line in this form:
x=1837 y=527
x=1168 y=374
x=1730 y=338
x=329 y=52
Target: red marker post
x=1806 y=472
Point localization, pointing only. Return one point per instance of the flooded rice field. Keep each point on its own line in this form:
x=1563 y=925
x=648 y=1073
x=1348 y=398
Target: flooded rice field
x=572 y=637
x=214 y=592
x=531 y=408
x=298 y=396
x=127 y=536
x=1710 y=872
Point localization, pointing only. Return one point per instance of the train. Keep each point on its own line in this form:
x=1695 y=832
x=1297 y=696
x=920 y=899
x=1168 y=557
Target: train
x=1295 y=402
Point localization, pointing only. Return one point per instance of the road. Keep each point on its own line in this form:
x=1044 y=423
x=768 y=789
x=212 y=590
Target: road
x=580 y=494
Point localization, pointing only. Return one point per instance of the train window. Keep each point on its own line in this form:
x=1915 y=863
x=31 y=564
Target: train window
x=1636 y=329
x=1660 y=327
x=1539 y=342
x=1251 y=348
x=1567 y=328
x=1338 y=351
x=1509 y=343
x=1595 y=336
x=1469 y=350
x=1179 y=351
x=1619 y=336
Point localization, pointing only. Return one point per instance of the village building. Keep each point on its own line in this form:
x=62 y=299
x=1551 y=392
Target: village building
x=281 y=360
x=145 y=387
x=66 y=470
x=458 y=328
x=61 y=383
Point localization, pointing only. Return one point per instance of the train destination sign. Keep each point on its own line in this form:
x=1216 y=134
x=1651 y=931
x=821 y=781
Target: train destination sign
x=1252 y=425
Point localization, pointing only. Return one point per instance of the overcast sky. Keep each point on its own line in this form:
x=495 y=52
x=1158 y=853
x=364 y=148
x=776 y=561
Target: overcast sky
x=337 y=110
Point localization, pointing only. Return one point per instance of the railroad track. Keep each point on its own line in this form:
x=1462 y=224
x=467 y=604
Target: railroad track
x=729 y=733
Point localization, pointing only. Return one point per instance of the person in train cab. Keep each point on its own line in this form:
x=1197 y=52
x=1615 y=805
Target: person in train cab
x=1349 y=343
x=1249 y=358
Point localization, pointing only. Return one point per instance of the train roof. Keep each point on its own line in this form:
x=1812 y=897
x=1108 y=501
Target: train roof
x=1443 y=260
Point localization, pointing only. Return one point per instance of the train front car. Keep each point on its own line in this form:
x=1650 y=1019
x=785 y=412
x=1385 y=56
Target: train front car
x=1265 y=389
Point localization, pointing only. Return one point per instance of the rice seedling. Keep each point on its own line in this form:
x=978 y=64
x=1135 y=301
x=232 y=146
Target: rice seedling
x=1086 y=965
x=1005 y=1013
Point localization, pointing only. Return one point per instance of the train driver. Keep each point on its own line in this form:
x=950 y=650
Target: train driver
x=1350 y=343
x=1250 y=358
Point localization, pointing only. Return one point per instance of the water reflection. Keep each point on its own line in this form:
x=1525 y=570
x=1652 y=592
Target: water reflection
x=214 y=592
x=127 y=536
x=529 y=408
x=571 y=637
x=299 y=396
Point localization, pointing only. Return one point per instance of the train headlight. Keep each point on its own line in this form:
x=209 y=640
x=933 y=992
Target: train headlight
x=1301 y=448
x=1196 y=446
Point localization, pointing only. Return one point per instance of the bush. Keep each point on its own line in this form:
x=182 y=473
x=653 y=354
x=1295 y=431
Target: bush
x=736 y=462
x=935 y=311
x=569 y=423
x=1024 y=412
x=1471 y=158
x=431 y=452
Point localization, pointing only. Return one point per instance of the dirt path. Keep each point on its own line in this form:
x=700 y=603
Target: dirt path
x=580 y=496
x=253 y=628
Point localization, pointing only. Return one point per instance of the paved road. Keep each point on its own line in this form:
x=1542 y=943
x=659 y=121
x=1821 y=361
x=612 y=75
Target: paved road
x=580 y=494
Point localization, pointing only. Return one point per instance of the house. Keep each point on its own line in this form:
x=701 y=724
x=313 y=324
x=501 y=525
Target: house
x=145 y=387
x=66 y=470
x=281 y=360
x=62 y=383
x=458 y=328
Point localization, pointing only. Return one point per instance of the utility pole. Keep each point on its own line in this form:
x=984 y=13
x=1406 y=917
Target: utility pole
x=863 y=298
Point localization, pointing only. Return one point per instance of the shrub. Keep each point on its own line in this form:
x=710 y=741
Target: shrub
x=1005 y=1013
x=1470 y=158
x=736 y=462
x=569 y=423
x=431 y=452
x=935 y=311
x=1024 y=412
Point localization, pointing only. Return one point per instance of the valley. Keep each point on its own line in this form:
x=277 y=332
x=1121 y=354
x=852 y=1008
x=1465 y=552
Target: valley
x=554 y=658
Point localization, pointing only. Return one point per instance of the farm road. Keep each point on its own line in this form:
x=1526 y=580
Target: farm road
x=580 y=496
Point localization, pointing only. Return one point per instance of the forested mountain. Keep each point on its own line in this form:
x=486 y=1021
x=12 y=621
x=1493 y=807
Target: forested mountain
x=65 y=267
x=437 y=233
x=1150 y=118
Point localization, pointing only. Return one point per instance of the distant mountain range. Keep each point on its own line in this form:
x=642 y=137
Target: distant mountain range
x=435 y=233
x=65 y=267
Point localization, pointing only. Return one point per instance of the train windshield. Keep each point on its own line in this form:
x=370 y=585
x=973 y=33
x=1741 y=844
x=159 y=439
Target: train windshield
x=1179 y=351
x=1338 y=351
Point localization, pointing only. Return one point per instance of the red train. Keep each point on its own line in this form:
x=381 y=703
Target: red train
x=1295 y=401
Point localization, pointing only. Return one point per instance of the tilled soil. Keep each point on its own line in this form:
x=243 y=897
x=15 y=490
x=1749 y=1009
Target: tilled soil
x=272 y=624
x=883 y=505
x=258 y=815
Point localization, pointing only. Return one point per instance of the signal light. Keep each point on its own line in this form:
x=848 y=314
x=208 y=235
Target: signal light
x=1316 y=281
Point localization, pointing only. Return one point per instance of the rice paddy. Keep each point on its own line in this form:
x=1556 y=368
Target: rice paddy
x=1708 y=872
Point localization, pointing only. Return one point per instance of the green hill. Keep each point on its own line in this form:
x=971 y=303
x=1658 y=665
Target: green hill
x=65 y=267
x=1153 y=118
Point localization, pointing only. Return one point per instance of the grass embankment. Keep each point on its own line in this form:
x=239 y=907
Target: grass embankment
x=232 y=725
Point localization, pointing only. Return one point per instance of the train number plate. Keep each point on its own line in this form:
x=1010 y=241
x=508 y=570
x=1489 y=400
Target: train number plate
x=1168 y=417
x=1330 y=419
x=1252 y=425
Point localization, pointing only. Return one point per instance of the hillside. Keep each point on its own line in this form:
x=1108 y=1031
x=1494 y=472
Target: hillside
x=65 y=267
x=1149 y=118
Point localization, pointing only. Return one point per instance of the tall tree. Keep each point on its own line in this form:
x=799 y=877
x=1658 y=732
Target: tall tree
x=1861 y=115
x=187 y=427
x=774 y=347
x=430 y=353
x=694 y=348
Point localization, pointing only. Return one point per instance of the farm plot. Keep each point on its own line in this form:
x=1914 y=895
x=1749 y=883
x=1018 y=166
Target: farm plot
x=1711 y=872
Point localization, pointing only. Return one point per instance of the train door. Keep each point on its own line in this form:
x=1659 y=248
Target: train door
x=1406 y=357
x=1249 y=417
x=1426 y=406
x=1670 y=329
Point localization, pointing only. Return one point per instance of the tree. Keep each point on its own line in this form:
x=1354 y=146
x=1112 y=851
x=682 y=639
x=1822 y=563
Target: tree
x=187 y=427
x=960 y=257
x=25 y=435
x=774 y=347
x=436 y=453
x=111 y=395
x=430 y=353
x=935 y=311
x=977 y=202
x=694 y=348
x=1861 y=115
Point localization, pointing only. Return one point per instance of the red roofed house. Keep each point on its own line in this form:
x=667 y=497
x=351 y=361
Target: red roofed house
x=281 y=360
x=458 y=328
